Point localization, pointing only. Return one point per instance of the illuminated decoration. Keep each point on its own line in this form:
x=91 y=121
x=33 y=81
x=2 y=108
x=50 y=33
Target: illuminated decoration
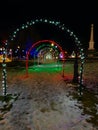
x=61 y=55
x=4 y=72
x=39 y=42
x=63 y=28
x=52 y=44
x=73 y=54
x=44 y=46
x=48 y=56
x=40 y=51
x=6 y=59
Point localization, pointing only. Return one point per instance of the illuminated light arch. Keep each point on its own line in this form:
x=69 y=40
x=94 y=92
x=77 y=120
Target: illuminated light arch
x=56 y=24
x=45 y=54
x=39 y=42
x=49 y=49
x=43 y=48
x=46 y=45
x=61 y=27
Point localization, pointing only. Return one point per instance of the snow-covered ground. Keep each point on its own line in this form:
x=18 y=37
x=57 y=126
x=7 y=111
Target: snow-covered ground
x=44 y=103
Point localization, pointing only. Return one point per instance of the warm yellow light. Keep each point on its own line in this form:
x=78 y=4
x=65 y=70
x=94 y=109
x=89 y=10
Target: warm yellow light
x=6 y=59
x=52 y=44
x=18 y=47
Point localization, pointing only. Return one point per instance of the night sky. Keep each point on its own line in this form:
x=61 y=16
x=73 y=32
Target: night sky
x=77 y=16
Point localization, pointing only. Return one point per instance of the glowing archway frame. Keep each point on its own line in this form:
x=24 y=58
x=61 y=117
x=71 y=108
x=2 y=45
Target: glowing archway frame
x=45 y=45
x=40 y=50
x=37 y=43
x=43 y=48
x=48 y=46
x=56 y=24
x=61 y=27
x=49 y=49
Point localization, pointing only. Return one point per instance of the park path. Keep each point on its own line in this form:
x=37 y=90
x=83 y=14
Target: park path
x=44 y=103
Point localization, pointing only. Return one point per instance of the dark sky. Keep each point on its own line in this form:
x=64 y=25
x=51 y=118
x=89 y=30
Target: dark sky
x=76 y=15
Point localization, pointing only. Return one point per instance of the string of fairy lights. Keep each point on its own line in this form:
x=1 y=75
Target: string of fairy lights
x=61 y=27
x=4 y=72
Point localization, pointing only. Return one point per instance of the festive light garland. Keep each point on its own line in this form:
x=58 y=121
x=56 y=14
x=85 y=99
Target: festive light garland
x=63 y=28
x=37 y=43
x=4 y=72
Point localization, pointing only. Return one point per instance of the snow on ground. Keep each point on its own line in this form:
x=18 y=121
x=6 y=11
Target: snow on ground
x=43 y=103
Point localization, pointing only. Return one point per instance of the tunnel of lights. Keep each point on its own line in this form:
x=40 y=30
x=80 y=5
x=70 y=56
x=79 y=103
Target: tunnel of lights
x=62 y=28
x=44 y=50
x=43 y=44
x=36 y=50
x=52 y=45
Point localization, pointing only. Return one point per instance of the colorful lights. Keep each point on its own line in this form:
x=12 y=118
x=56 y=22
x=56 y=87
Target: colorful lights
x=61 y=27
x=37 y=43
x=6 y=59
x=4 y=72
x=52 y=44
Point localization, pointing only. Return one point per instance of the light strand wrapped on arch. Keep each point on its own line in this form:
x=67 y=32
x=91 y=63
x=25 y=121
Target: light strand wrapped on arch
x=58 y=25
x=41 y=41
x=61 y=27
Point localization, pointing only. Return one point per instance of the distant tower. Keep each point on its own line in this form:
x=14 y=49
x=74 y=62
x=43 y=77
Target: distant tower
x=91 y=49
x=91 y=42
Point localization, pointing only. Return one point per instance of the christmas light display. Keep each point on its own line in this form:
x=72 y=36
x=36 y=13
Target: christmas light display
x=63 y=28
x=4 y=72
x=37 y=43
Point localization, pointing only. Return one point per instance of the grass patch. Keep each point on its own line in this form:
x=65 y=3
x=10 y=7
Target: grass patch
x=7 y=102
x=88 y=103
